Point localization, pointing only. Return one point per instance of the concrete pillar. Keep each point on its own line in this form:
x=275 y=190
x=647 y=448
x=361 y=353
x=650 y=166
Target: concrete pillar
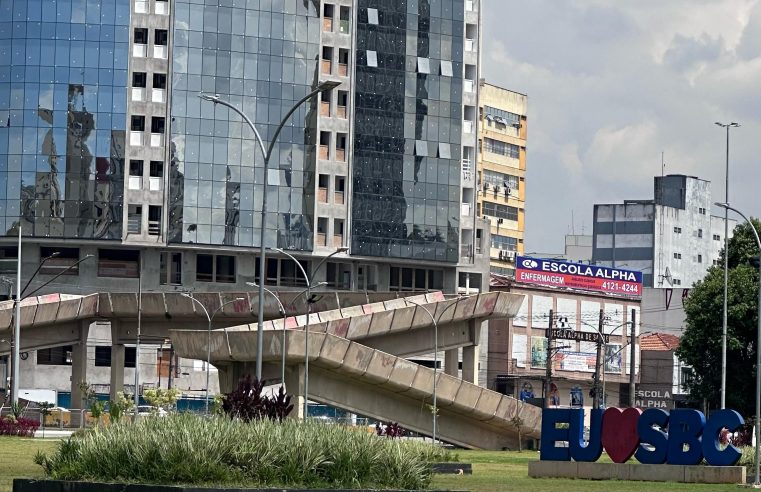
x=470 y=364
x=452 y=362
x=78 y=370
x=294 y=386
x=117 y=362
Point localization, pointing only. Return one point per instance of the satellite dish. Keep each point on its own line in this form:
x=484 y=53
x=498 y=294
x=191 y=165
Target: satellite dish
x=667 y=276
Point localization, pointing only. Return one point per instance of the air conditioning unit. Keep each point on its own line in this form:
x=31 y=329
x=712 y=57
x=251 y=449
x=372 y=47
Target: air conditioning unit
x=510 y=255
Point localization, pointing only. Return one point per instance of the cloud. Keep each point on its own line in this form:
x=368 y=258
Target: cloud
x=684 y=53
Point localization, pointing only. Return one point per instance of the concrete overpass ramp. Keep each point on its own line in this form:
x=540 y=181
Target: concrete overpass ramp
x=360 y=379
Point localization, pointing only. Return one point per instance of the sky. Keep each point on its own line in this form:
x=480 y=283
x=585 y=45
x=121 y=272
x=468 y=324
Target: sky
x=613 y=84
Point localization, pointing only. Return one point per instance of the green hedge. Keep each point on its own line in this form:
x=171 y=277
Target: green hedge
x=191 y=450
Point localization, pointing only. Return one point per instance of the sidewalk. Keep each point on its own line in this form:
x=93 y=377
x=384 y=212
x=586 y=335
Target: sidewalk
x=54 y=433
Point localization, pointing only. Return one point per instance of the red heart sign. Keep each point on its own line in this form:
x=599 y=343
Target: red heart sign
x=619 y=433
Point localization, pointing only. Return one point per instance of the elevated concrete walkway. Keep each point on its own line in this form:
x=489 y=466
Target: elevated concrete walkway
x=352 y=376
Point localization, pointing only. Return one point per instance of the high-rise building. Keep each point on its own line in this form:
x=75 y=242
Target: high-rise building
x=672 y=238
x=106 y=148
x=502 y=172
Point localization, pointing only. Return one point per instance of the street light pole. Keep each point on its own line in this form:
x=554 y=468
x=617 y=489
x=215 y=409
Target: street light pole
x=757 y=482
x=266 y=153
x=308 y=279
x=210 y=318
x=726 y=272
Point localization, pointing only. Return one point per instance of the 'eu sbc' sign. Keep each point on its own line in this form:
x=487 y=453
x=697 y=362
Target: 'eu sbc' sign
x=655 y=436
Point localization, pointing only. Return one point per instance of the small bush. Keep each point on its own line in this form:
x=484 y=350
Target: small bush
x=12 y=426
x=247 y=403
x=192 y=450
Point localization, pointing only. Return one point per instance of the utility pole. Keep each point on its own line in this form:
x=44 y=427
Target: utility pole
x=596 y=400
x=548 y=376
x=171 y=360
x=633 y=343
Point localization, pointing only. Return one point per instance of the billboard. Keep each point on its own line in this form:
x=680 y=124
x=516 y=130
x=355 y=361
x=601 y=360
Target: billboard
x=555 y=273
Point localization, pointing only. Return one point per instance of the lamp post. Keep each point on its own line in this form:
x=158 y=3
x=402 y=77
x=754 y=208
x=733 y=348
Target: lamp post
x=435 y=358
x=726 y=272
x=210 y=318
x=21 y=294
x=757 y=482
x=309 y=288
x=322 y=87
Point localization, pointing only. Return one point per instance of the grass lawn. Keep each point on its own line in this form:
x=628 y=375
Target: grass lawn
x=492 y=471
x=501 y=471
x=16 y=456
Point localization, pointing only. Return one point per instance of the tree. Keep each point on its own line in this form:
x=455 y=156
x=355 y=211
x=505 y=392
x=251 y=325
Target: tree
x=700 y=345
x=119 y=406
x=162 y=398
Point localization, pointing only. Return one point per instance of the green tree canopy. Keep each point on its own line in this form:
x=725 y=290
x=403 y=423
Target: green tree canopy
x=700 y=345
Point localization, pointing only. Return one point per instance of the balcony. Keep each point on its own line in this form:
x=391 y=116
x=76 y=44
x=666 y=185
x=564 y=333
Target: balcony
x=133 y=224
x=140 y=50
x=466 y=251
x=326 y=67
x=322 y=195
x=322 y=239
x=343 y=69
x=8 y=265
x=341 y=112
x=338 y=197
x=155 y=184
x=341 y=155
x=158 y=95
x=157 y=139
x=324 y=108
x=54 y=266
x=343 y=26
x=465 y=209
x=160 y=51
x=135 y=182
x=327 y=24
x=470 y=44
x=136 y=138
x=467 y=126
x=162 y=7
x=467 y=168
x=338 y=240
x=468 y=85
x=141 y=7
x=469 y=5
x=324 y=152
x=138 y=94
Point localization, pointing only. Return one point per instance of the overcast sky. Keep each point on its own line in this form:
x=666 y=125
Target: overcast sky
x=612 y=84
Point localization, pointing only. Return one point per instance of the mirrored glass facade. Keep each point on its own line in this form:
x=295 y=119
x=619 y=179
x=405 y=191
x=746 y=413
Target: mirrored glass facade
x=408 y=130
x=63 y=79
x=262 y=57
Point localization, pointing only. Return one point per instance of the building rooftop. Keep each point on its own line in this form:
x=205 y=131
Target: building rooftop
x=659 y=342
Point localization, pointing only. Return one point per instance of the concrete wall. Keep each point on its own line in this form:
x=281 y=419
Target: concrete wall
x=663 y=310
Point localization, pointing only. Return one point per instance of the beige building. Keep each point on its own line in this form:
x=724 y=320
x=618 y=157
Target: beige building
x=502 y=172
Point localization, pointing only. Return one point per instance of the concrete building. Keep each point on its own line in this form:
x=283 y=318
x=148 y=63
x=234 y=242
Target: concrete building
x=107 y=150
x=518 y=346
x=663 y=376
x=502 y=172
x=672 y=238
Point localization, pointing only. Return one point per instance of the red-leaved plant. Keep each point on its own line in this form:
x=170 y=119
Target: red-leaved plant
x=11 y=426
x=247 y=403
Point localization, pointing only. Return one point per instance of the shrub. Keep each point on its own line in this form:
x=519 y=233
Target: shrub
x=11 y=426
x=193 y=450
x=247 y=403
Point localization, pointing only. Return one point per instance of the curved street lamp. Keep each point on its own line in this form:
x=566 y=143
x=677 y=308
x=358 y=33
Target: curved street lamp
x=309 y=288
x=210 y=318
x=267 y=153
x=757 y=482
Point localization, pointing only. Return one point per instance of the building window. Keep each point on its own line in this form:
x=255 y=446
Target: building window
x=159 y=81
x=137 y=123
x=372 y=16
x=500 y=211
x=134 y=219
x=120 y=263
x=501 y=148
x=56 y=356
x=138 y=79
x=677 y=230
x=445 y=151
x=154 y=220
x=700 y=233
x=497 y=180
x=8 y=259
x=67 y=257
x=501 y=116
x=701 y=211
x=160 y=37
x=504 y=243
x=372 y=58
x=423 y=65
x=170 y=268
x=716 y=237
x=421 y=148
x=446 y=68
x=677 y=256
x=141 y=35
x=157 y=124
x=700 y=258
x=677 y=281
x=215 y=268
x=415 y=279
x=103 y=356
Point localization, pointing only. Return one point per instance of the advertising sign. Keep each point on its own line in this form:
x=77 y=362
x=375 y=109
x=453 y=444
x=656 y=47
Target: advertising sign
x=576 y=361
x=554 y=273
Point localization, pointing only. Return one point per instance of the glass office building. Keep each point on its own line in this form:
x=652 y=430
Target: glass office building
x=63 y=103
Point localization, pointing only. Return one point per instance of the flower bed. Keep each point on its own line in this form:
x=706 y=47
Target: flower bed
x=11 y=426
